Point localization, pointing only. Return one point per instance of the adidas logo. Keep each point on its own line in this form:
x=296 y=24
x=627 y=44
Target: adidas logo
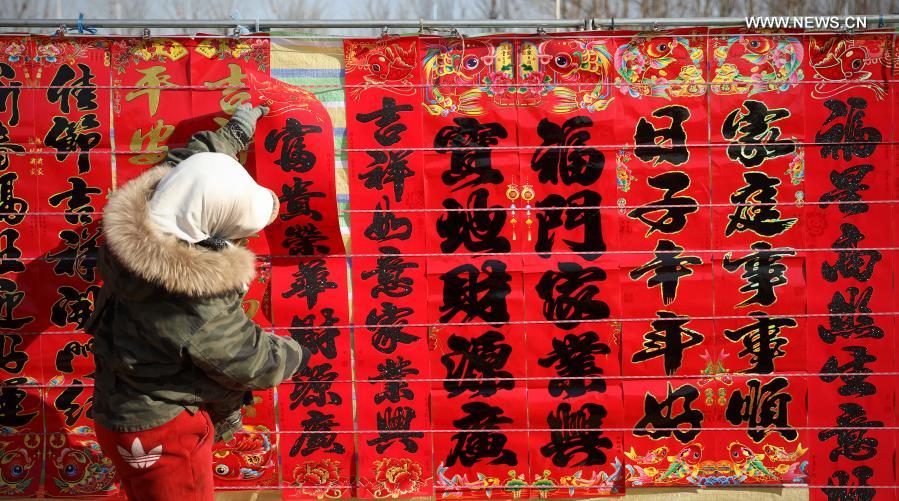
x=139 y=459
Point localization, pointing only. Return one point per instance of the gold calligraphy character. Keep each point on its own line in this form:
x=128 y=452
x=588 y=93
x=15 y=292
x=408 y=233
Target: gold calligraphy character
x=232 y=97
x=154 y=78
x=155 y=152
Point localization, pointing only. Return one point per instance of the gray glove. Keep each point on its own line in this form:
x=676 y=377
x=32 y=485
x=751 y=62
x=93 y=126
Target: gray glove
x=243 y=122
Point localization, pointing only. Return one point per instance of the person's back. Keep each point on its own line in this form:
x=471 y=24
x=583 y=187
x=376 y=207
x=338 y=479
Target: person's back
x=174 y=351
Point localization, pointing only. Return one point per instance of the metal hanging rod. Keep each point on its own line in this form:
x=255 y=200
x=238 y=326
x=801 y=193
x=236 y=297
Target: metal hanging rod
x=263 y=24
x=299 y=24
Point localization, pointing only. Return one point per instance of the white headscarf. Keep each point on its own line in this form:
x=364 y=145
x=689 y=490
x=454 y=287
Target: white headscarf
x=210 y=195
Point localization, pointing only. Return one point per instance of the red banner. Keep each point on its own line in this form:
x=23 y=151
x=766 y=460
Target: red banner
x=581 y=263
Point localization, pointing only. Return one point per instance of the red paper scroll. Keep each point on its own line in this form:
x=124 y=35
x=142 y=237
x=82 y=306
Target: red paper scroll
x=662 y=178
x=389 y=284
x=851 y=126
x=21 y=421
x=565 y=106
x=757 y=183
x=151 y=99
x=295 y=158
x=475 y=295
x=72 y=123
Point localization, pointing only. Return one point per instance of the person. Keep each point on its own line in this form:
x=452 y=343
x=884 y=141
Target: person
x=175 y=353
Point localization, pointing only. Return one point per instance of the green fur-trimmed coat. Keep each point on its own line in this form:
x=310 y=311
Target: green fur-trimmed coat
x=169 y=330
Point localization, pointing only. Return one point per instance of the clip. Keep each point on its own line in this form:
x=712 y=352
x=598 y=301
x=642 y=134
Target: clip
x=146 y=33
x=385 y=32
x=655 y=26
x=541 y=30
x=61 y=31
x=421 y=25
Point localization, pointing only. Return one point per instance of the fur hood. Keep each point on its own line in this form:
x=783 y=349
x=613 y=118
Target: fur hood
x=164 y=260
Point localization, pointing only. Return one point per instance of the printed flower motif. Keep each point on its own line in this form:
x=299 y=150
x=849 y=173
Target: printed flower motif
x=48 y=52
x=397 y=476
x=533 y=85
x=500 y=83
x=319 y=479
x=14 y=51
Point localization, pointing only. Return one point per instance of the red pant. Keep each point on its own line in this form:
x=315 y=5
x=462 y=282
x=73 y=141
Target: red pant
x=169 y=462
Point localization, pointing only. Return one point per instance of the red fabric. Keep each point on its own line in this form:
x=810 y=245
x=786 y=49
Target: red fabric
x=181 y=469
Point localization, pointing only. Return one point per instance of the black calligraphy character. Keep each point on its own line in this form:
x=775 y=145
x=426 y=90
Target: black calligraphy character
x=762 y=341
x=9 y=93
x=473 y=445
x=65 y=357
x=10 y=299
x=317 y=340
x=660 y=421
x=572 y=218
x=6 y=147
x=476 y=364
x=478 y=230
x=851 y=137
x=68 y=84
x=294 y=155
x=668 y=267
x=12 y=208
x=387 y=327
x=312 y=386
x=305 y=240
x=78 y=257
x=393 y=427
x=386 y=226
x=669 y=339
x=562 y=156
x=847 y=317
x=850 y=492
x=574 y=356
x=322 y=438
x=576 y=433
x=763 y=406
x=67 y=403
x=393 y=372
x=569 y=295
x=751 y=134
x=12 y=396
x=851 y=263
x=468 y=143
x=675 y=209
x=10 y=254
x=666 y=144
x=476 y=293
x=851 y=430
x=298 y=200
x=388 y=167
x=68 y=137
x=12 y=360
x=762 y=271
x=852 y=373
x=847 y=185
x=389 y=271
x=386 y=119
x=310 y=280
x=755 y=208
x=78 y=201
x=73 y=306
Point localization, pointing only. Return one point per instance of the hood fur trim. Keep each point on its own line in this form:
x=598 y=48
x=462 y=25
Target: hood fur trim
x=163 y=259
